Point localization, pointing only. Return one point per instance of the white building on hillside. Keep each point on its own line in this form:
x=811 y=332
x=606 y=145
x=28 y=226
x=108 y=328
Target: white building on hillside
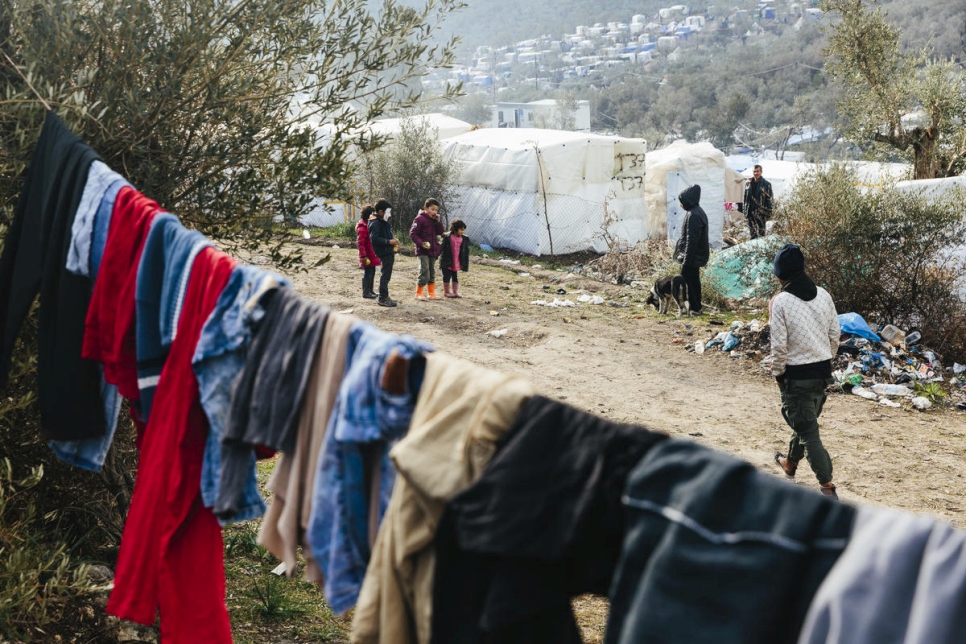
x=545 y=114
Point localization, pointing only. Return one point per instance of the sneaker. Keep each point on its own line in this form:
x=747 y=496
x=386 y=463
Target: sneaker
x=387 y=302
x=370 y=296
x=828 y=489
x=788 y=466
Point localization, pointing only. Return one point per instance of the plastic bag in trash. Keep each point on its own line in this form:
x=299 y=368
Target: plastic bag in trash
x=486 y=248
x=852 y=323
x=730 y=342
x=716 y=340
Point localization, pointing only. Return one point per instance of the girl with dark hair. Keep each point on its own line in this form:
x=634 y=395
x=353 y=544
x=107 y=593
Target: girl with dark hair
x=455 y=257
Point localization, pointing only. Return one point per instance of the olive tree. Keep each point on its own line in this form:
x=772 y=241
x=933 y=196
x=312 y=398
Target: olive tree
x=230 y=114
x=408 y=169
x=896 y=100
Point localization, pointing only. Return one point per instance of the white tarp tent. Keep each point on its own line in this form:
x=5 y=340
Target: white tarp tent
x=931 y=190
x=445 y=126
x=325 y=213
x=784 y=175
x=548 y=191
x=671 y=170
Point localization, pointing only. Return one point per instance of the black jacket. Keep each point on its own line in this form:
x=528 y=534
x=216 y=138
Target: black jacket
x=379 y=234
x=693 y=248
x=446 y=256
x=543 y=524
x=34 y=260
x=758 y=199
x=267 y=394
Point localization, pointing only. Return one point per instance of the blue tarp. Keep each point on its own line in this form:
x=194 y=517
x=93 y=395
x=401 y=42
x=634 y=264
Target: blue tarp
x=854 y=324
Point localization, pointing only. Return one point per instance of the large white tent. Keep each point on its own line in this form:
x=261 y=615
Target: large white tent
x=329 y=213
x=671 y=170
x=548 y=191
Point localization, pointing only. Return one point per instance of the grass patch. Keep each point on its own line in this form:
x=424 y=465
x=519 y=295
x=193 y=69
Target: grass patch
x=265 y=607
x=345 y=230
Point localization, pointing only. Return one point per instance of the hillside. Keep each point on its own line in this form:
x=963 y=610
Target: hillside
x=941 y=23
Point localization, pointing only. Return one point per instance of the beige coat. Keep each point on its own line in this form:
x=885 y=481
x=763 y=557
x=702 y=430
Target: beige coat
x=462 y=410
x=283 y=529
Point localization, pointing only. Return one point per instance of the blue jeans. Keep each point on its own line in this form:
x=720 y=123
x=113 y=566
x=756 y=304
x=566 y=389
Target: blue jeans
x=90 y=453
x=219 y=357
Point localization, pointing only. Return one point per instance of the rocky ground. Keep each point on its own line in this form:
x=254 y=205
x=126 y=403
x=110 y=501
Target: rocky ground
x=623 y=361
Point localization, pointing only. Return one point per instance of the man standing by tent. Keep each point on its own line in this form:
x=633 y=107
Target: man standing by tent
x=804 y=339
x=692 y=250
x=757 y=203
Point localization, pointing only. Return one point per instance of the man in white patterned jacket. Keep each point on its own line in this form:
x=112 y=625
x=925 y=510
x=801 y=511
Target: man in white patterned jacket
x=804 y=340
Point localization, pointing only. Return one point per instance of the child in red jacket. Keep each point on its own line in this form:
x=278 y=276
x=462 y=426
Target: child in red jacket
x=368 y=260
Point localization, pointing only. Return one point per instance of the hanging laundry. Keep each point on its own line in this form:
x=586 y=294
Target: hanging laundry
x=266 y=399
x=901 y=580
x=171 y=556
x=284 y=527
x=461 y=412
x=365 y=424
x=162 y=279
x=219 y=357
x=543 y=524
x=90 y=453
x=34 y=259
x=718 y=551
x=100 y=179
x=110 y=327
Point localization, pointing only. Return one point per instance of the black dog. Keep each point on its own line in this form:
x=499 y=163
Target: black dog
x=667 y=289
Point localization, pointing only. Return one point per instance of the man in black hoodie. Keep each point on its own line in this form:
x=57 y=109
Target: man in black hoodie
x=693 y=249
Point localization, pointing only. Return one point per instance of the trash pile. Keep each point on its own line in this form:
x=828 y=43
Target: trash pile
x=888 y=367
x=891 y=366
x=740 y=340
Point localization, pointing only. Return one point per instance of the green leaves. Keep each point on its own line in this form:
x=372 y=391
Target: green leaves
x=896 y=100
x=212 y=107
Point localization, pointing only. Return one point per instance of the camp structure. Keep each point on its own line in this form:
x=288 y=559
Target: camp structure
x=331 y=212
x=548 y=192
x=671 y=170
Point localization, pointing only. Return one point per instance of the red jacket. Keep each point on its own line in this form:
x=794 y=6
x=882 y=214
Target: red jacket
x=171 y=555
x=365 y=245
x=109 y=328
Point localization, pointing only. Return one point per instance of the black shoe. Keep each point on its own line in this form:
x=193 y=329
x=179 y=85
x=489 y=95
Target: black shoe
x=387 y=302
x=369 y=295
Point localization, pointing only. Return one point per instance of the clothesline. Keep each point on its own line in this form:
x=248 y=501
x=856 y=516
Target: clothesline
x=445 y=501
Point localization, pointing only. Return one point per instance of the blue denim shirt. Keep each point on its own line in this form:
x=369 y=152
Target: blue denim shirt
x=364 y=418
x=219 y=357
x=102 y=225
x=90 y=453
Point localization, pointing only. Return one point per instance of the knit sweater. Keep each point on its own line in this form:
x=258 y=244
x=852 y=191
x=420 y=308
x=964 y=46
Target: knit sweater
x=802 y=332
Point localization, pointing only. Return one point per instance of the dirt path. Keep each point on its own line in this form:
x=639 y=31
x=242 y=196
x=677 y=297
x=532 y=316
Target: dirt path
x=622 y=363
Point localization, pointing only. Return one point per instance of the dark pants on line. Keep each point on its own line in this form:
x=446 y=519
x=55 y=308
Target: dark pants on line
x=385 y=275
x=368 y=279
x=802 y=402
x=692 y=277
x=756 y=226
x=450 y=276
